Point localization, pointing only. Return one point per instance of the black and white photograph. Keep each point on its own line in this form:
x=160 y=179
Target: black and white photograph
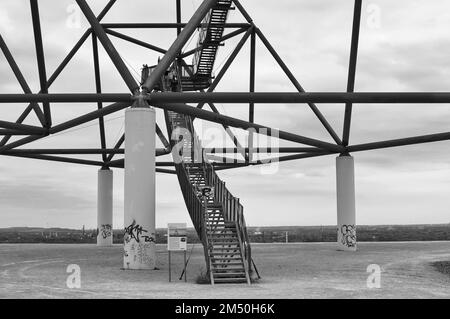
x=224 y=154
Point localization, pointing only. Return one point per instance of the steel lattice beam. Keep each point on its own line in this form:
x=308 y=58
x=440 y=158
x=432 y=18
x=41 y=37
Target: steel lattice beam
x=178 y=101
x=352 y=69
x=240 y=97
x=40 y=59
x=178 y=44
x=108 y=46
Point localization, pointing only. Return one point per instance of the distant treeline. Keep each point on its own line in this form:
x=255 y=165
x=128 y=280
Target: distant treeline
x=257 y=235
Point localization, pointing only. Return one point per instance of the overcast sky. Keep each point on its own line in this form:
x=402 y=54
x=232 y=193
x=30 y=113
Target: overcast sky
x=404 y=46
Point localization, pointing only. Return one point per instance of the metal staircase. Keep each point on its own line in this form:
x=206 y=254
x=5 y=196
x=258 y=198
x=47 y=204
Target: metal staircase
x=209 y=39
x=217 y=218
x=198 y=76
x=227 y=261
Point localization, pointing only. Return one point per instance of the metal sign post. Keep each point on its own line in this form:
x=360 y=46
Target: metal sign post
x=185 y=266
x=177 y=241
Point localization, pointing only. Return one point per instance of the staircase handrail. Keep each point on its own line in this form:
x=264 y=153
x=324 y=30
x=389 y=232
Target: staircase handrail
x=233 y=211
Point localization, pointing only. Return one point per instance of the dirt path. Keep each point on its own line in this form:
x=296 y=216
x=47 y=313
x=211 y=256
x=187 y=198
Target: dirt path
x=298 y=270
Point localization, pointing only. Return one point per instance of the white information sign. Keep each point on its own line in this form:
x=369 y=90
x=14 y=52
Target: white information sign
x=176 y=237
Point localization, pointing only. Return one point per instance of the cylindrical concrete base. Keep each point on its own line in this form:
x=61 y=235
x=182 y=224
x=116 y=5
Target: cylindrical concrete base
x=105 y=208
x=139 y=200
x=346 y=212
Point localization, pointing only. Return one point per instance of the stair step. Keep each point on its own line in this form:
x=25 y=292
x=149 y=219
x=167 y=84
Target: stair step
x=221 y=257
x=220 y=236
x=224 y=226
x=222 y=266
x=237 y=268
x=221 y=241
x=228 y=263
x=223 y=232
x=229 y=255
x=227 y=248
x=226 y=252
x=219 y=231
x=229 y=274
x=225 y=237
x=229 y=280
x=236 y=246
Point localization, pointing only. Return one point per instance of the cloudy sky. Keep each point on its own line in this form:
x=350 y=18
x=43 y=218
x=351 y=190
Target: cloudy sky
x=404 y=46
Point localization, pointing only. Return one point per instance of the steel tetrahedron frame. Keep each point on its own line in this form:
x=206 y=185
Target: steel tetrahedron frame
x=40 y=103
x=182 y=108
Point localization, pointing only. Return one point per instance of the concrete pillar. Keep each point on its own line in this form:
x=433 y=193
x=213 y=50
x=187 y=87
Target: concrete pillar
x=346 y=213
x=105 y=207
x=139 y=200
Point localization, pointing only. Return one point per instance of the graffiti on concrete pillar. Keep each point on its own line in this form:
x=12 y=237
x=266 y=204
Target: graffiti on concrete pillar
x=348 y=235
x=138 y=244
x=105 y=231
x=137 y=233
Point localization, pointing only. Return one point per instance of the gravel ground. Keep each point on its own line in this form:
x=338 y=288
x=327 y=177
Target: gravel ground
x=297 y=270
x=442 y=266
